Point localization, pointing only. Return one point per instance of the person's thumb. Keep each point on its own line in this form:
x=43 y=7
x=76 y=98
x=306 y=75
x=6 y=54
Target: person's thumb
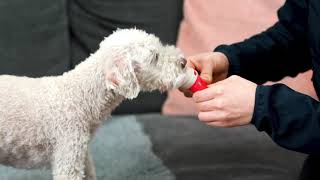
x=206 y=73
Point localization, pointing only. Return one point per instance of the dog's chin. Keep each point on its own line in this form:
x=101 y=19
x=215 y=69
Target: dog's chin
x=165 y=87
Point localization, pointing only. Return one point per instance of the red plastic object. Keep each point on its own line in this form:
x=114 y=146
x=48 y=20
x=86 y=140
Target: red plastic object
x=198 y=85
x=192 y=81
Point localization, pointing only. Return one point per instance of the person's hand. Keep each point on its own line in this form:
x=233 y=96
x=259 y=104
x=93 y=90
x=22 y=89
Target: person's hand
x=227 y=103
x=212 y=66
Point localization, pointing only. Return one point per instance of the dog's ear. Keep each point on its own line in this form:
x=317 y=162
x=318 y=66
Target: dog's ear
x=122 y=77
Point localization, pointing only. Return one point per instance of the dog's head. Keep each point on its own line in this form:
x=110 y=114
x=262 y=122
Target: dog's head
x=141 y=62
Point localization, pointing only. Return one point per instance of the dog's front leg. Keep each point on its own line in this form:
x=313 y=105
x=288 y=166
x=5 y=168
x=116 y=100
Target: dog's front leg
x=69 y=159
x=90 y=173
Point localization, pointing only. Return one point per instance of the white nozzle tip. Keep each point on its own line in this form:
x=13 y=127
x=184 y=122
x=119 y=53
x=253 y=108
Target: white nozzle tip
x=187 y=80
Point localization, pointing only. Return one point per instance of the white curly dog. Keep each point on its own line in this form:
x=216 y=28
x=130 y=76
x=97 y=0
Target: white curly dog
x=49 y=121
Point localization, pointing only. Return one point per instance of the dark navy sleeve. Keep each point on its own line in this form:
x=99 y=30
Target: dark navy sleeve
x=281 y=50
x=290 y=118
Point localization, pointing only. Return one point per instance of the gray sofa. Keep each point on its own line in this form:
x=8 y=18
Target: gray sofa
x=45 y=37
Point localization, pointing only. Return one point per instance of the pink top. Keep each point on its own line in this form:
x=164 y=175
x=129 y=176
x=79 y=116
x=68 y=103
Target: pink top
x=208 y=23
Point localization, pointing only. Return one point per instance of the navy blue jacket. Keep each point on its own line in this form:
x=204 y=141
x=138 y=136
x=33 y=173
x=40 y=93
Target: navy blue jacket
x=290 y=46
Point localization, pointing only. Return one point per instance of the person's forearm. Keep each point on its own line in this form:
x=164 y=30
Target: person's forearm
x=280 y=51
x=291 y=119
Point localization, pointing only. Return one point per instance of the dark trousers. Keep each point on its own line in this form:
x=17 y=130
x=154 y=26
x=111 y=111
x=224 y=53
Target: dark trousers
x=311 y=168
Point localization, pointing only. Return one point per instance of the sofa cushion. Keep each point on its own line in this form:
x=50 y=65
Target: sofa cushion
x=33 y=37
x=192 y=150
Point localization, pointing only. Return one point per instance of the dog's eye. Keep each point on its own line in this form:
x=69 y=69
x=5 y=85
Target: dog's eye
x=183 y=63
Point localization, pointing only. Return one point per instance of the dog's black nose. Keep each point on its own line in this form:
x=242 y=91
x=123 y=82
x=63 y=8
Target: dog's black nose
x=183 y=62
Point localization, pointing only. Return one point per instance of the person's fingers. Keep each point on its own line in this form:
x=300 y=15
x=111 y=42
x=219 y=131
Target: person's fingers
x=206 y=106
x=224 y=123
x=220 y=124
x=193 y=62
x=202 y=65
x=207 y=72
x=207 y=94
x=203 y=95
x=212 y=116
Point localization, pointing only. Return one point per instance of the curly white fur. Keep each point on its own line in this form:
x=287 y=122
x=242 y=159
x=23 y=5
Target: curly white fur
x=49 y=121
